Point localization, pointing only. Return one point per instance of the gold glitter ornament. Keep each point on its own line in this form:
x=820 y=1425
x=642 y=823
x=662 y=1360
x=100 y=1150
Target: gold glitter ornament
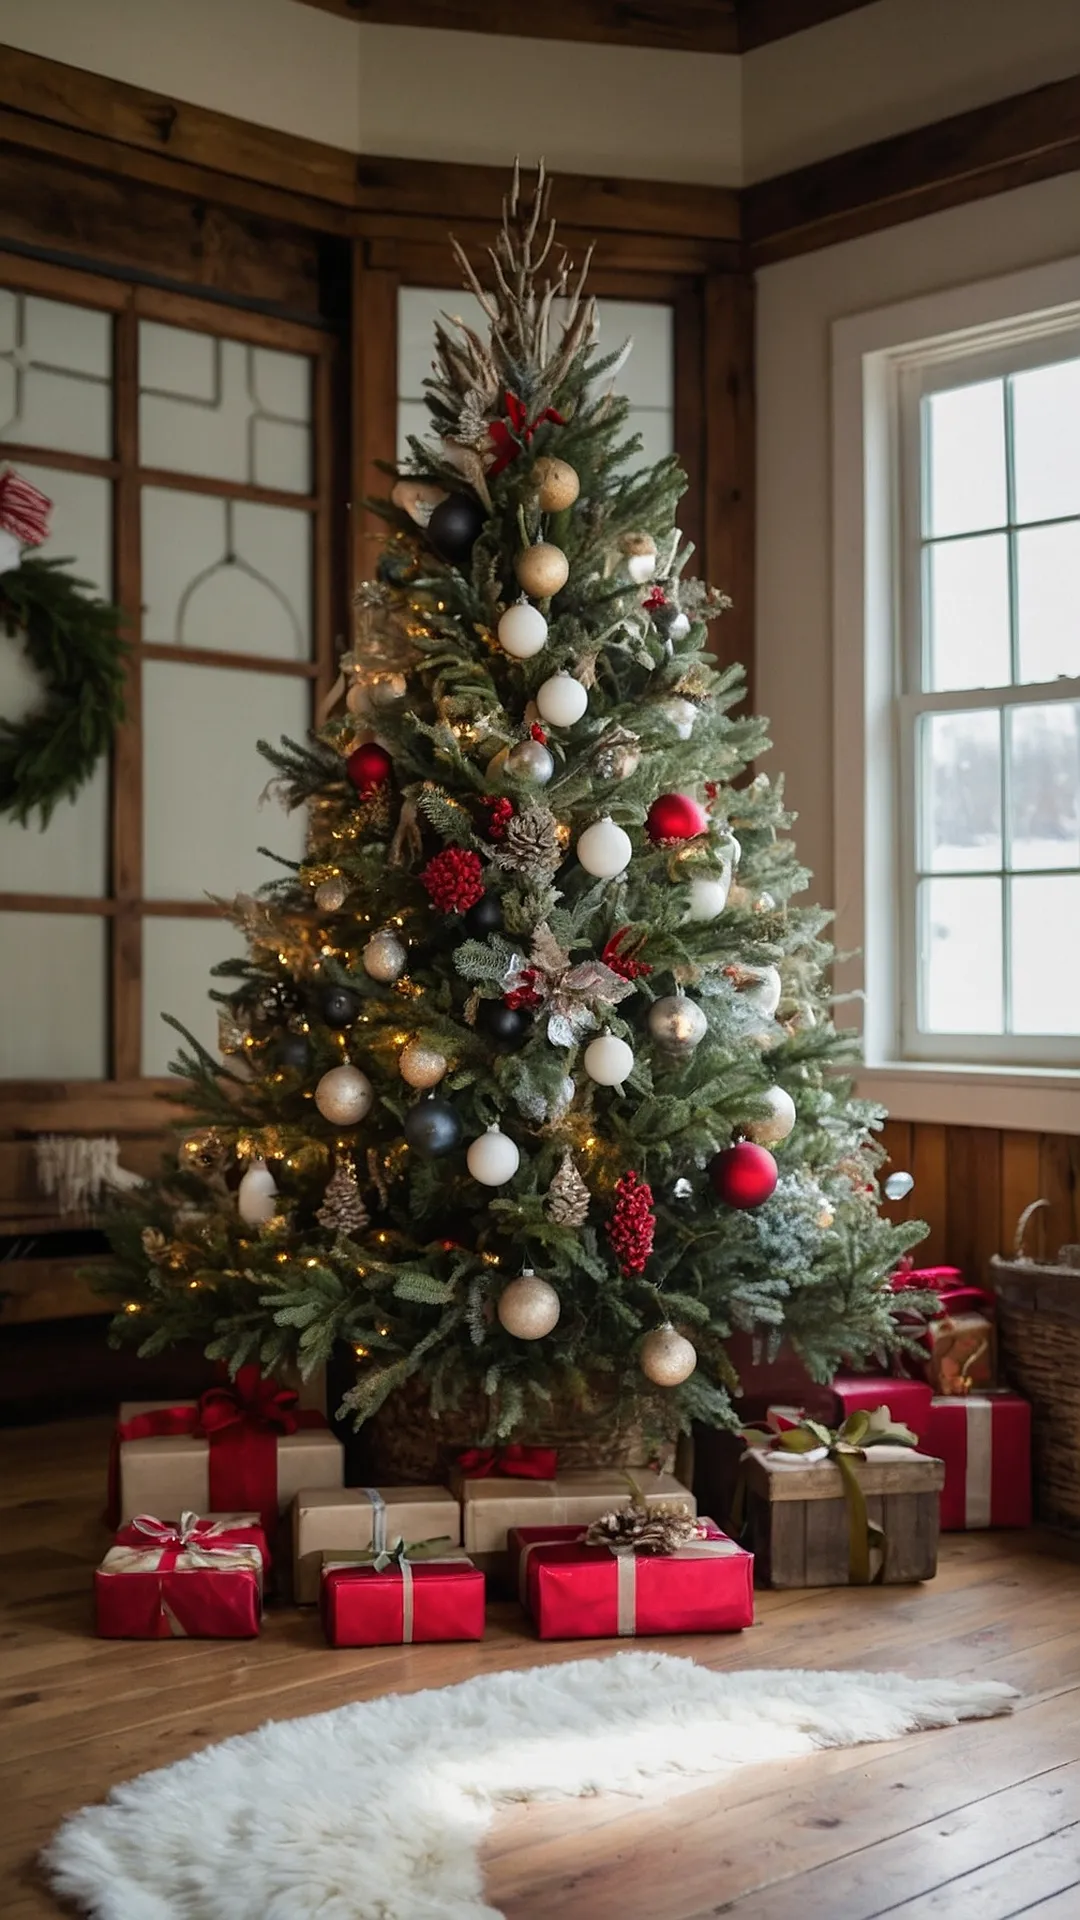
x=421 y=1066
x=331 y=894
x=542 y=570
x=529 y=1307
x=557 y=483
x=666 y=1358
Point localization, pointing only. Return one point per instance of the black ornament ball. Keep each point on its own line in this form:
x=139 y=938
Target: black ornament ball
x=432 y=1128
x=294 y=1050
x=339 y=1007
x=485 y=917
x=507 y=1026
x=454 y=527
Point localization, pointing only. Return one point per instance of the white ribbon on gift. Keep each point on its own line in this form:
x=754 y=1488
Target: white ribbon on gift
x=978 y=1415
x=378 y=1518
x=190 y=1538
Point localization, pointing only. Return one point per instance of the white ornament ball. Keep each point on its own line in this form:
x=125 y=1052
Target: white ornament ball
x=604 y=849
x=666 y=1358
x=765 y=991
x=384 y=958
x=777 y=1123
x=898 y=1185
x=680 y=714
x=561 y=700
x=641 y=567
x=608 y=1060
x=530 y=760
x=256 y=1196
x=528 y=1308
x=678 y=626
x=421 y=1066
x=677 y=1024
x=493 y=1159
x=708 y=896
x=344 y=1095
x=522 y=631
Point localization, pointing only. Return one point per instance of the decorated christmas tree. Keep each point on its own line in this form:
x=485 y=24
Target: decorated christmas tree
x=529 y=1090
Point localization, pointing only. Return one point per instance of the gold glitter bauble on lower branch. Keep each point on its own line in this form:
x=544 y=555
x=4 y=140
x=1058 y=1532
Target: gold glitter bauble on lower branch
x=421 y=1066
x=529 y=1307
x=666 y=1358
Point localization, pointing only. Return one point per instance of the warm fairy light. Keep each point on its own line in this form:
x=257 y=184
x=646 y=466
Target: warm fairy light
x=311 y=1263
x=281 y=1258
x=590 y=1140
x=489 y=1259
x=194 y=1285
x=132 y=1306
x=361 y=1352
x=381 y=1239
x=383 y=1331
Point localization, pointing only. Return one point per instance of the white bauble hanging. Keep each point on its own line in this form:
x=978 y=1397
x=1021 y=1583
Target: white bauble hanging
x=775 y=1125
x=562 y=700
x=666 y=1358
x=604 y=849
x=344 y=1095
x=256 y=1196
x=522 y=631
x=493 y=1159
x=708 y=896
x=763 y=991
x=529 y=1307
x=680 y=715
x=641 y=567
x=608 y=1060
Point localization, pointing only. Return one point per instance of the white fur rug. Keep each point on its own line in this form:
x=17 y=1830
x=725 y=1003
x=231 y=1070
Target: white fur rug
x=376 y=1811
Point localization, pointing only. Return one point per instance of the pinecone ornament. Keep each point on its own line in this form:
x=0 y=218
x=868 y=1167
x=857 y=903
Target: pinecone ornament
x=531 y=844
x=343 y=1210
x=640 y=1529
x=568 y=1196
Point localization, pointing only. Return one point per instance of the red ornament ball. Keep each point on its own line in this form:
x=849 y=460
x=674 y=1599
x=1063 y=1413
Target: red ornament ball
x=369 y=766
x=454 y=879
x=744 y=1175
x=675 y=816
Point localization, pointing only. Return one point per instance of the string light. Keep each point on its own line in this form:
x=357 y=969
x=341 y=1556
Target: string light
x=132 y=1306
x=361 y=1352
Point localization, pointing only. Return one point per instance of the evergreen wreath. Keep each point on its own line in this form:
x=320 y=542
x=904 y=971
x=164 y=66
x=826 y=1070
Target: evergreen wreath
x=72 y=639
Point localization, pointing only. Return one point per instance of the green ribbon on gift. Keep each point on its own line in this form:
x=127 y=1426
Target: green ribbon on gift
x=411 y=1550
x=843 y=1445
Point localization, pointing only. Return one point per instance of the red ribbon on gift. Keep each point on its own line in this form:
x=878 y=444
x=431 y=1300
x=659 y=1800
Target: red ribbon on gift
x=171 y=1538
x=242 y=1419
x=515 y=1461
x=510 y=435
x=23 y=510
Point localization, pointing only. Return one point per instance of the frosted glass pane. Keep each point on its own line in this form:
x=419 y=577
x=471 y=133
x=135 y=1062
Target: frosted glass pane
x=1046 y=441
x=1044 y=785
x=968 y=613
x=1045 y=941
x=177 y=958
x=965 y=432
x=223 y=409
x=960 y=969
x=418 y=310
x=961 y=825
x=80 y=528
x=203 y=777
x=226 y=574
x=1048 y=601
x=648 y=376
x=53 y=992
x=55 y=375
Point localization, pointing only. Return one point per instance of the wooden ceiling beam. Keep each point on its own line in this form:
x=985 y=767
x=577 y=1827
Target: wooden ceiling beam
x=680 y=26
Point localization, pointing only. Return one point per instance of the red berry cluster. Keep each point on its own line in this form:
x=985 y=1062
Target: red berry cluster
x=500 y=814
x=536 y=732
x=632 y=1224
x=625 y=964
x=454 y=879
x=657 y=598
x=525 y=993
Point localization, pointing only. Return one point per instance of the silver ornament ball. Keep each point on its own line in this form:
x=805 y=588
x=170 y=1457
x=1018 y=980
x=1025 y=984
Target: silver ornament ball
x=677 y=1024
x=898 y=1186
x=777 y=1123
x=384 y=957
x=386 y=689
x=421 y=1066
x=330 y=894
x=528 y=1308
x=666 y=1358
x=530 y=760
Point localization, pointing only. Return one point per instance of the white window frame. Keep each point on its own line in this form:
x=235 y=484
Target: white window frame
x=879 y=360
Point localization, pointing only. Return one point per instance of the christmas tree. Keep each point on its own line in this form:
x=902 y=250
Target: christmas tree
x=528 y=1087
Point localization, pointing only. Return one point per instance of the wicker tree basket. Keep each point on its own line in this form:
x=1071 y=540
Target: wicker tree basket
x=1039 y=1332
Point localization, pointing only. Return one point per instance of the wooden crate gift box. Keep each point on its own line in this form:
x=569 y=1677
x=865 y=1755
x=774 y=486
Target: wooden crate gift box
x=799 y=1524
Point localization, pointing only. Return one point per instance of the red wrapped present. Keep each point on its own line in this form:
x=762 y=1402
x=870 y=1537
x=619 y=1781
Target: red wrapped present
x=961 y=1340
x=244 y=1445
x=985 y=1442
x=195 y=1579
x=908 y=1401
x=396 y=1601
x=576 y=1592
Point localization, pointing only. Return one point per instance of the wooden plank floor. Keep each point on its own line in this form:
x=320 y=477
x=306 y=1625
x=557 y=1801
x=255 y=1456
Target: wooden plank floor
x=980 y=1822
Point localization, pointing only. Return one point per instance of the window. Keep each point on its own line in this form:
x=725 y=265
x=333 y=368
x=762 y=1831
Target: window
x=956 y=599
x=186 y=450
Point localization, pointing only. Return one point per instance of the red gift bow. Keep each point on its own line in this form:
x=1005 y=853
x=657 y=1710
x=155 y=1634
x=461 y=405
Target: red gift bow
x=516 y=1462
x=242 y=1420
x=507 y=435
x=219 y=1538
x=23 y=510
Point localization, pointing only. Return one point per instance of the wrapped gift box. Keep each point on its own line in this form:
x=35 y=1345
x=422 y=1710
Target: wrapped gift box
x=335 y=1519
x=961 y=1341
x=195 y=1579
x=576 y=1592
x=162 y=1466
x=490 y=1507
x=408 y=1601
x=908 y=1401
x=798 y=1522
x=985 y=1441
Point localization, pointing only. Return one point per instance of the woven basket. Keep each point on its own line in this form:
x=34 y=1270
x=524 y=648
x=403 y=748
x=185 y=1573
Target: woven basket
x=408 y=1444
x=1039 y=1331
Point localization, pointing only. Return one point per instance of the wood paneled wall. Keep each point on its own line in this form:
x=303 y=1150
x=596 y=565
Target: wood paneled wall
x=972 y=1183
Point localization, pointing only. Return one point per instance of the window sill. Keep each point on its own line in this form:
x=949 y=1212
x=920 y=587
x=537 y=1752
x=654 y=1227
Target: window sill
x=1044 y=1100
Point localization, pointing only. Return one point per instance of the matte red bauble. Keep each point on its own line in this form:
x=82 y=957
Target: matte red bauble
x=369 y=766
x=675 y=816
x=744 y=1175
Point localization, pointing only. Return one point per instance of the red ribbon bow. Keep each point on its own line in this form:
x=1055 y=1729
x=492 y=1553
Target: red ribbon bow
x=24 y=511
x=516 y=431
x=250 y=1400
x=515 y=1461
